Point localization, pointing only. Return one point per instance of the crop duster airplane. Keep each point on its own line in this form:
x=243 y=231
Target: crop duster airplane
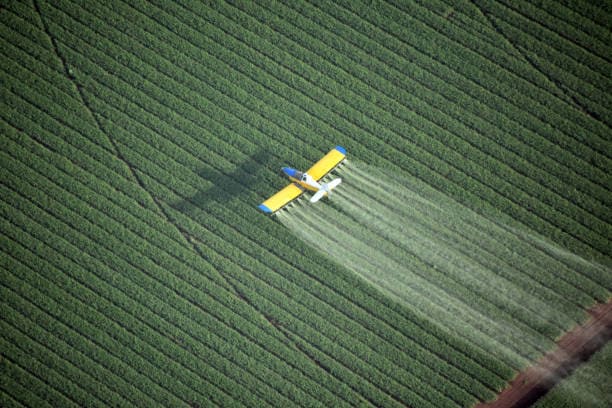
x=309 y=180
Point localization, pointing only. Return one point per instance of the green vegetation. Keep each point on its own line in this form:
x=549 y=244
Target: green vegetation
x=139 y=137
x=589 y=386
x=450 y=264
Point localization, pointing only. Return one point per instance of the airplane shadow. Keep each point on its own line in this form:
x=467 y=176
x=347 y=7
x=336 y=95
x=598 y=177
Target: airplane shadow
x=229 y=189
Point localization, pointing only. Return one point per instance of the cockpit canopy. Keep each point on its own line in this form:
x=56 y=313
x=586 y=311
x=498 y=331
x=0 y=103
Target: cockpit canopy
x=296 y=174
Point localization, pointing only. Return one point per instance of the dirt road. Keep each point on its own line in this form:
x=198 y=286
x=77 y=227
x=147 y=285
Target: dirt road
x=573 y=348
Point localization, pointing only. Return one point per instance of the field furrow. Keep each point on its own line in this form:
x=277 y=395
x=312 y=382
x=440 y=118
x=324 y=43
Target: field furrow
x=472 y=228
x=73 y=218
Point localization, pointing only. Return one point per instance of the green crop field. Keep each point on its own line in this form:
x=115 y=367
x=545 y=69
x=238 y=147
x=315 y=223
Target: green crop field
x=472 y=229
x=589 y=386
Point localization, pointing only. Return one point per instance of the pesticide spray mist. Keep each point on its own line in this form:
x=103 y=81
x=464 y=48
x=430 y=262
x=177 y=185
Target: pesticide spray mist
x=472 y=276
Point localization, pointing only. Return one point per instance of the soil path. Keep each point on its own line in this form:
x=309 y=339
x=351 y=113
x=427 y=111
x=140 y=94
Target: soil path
x=573 y=348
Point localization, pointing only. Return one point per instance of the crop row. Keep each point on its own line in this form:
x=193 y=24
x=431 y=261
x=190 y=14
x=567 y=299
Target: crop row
x=18 y=388
x=469 y=28
x=24 y=29
x=166 y=179
x=522 y=129
x=119 y=335
x=528 y=11
x=599 y=13
x=169 y=180
x=157 y=364
x=33 y=317
x=587 y=96
x=570 y=280
x=297 y=262
x=306 y=302
x=466 y=62
x=362 y=374
x=356 y=372
x=585 y=35
x=84 y=211
x=530 y=271
x=484 y=158
x=397 y=108
x=456 y=231
x=158 y=172
x=99 y=330
x=504 y=127
x=588 y=385
x=462 y=91
x=154 y=239
x=78 y=182
x=572 y=58
x=432 y=283
x=163 y=121
x=232 y=122
x=471 y=73
x=557 y=47
x=97 y=175
x=59 y=126
x=587 y=17
x=42 y=381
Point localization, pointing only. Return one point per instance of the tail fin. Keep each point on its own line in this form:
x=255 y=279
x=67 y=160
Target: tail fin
x=325 y=189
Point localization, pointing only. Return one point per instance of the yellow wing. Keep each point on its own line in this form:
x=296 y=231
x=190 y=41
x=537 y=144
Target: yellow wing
x=281 y=199
x=327 y=163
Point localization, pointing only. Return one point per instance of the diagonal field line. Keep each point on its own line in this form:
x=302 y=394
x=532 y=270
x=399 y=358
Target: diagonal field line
x=83 y=99
x=117 y=151
x=187 y=237
x=522 y=52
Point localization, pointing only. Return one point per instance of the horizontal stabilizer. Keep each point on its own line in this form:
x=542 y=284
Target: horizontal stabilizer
x=325 y=189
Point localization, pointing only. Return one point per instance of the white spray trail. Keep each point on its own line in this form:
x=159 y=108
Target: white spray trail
x=439 y=258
